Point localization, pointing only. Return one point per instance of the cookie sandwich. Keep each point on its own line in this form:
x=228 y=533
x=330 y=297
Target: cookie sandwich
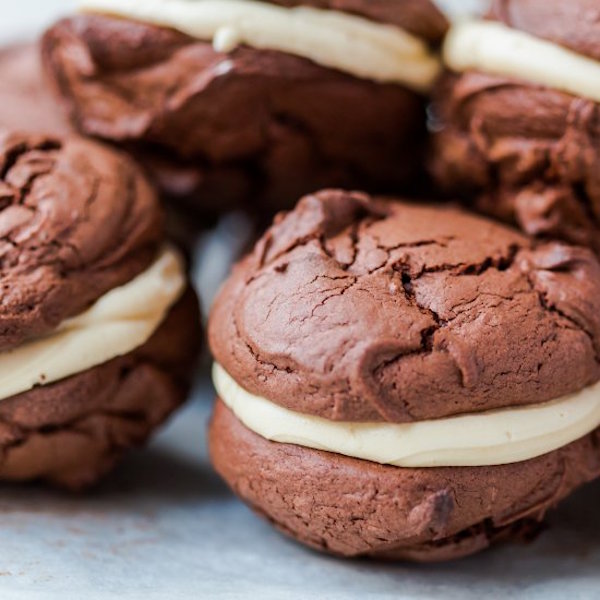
x=518 y=116
x=253 y=103
x=404 y=381
x=98 y=325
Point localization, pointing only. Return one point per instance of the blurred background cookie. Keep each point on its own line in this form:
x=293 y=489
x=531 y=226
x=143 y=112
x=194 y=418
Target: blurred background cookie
x=517 y=117
x=251 y=104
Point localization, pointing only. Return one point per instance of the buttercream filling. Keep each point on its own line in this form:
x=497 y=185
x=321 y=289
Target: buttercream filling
x=349 y=43
x=489 y=438
x=116 y=324
x=497 y=49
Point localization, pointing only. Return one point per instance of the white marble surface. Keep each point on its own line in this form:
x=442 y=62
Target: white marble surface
x=164 y=526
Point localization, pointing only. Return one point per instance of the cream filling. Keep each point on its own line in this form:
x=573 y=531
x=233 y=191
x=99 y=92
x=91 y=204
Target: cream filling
x=491 y=438
x=494 y=48
x=119 y=322
x=349 y=43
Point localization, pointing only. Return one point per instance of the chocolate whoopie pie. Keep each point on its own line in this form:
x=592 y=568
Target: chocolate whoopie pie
x=519 y=119
x=98 y=325
x=253 y=103
x=405 y=381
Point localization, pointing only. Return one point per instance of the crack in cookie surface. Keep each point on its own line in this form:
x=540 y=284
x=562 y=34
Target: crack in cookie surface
x=76 y=220
x=364 y=310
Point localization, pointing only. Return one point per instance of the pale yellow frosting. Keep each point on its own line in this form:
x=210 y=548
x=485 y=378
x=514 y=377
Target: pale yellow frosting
x=496 y=49
x=491 y=438
x=334 y=39
x=117 y=323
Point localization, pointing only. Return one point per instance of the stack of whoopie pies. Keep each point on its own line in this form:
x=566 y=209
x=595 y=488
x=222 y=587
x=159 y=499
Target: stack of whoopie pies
x=396 y=378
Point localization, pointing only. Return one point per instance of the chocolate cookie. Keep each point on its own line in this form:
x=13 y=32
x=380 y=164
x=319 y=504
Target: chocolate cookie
x=98 y=326
x=254 y=118
x=394 y=379
x=518 y=123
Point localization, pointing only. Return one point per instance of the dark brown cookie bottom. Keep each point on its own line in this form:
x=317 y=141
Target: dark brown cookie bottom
x=72 y=432
x=352 y=507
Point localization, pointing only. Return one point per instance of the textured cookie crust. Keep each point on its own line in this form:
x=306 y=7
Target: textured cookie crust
x=26 y=100
x=351 y=507
x=360 y=310
x=526 y=153
x=72 y=432
x=76 y=220
x=252 y=126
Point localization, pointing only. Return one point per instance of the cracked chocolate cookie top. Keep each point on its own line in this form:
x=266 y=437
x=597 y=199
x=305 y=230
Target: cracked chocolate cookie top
x=361 y=309
x=76 y=220
x=574 y=24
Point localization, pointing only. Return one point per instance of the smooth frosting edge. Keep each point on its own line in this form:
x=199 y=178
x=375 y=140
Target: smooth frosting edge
x=349 y=43
x=497 y=437
x=494 y=48
x=123 y=319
